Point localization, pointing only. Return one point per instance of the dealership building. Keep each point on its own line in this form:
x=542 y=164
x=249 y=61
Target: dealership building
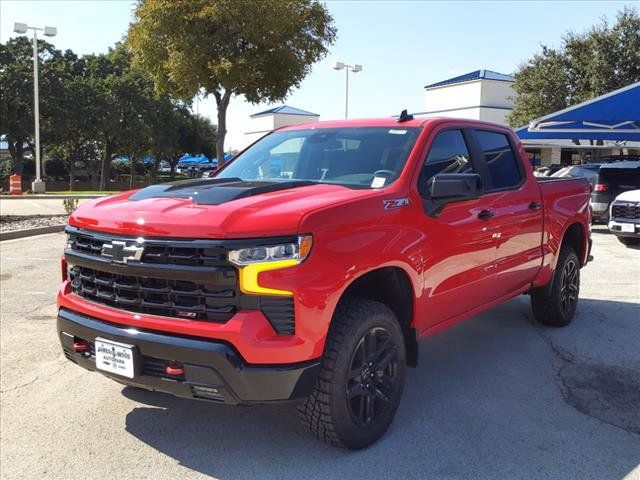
x=488 y=95
x=607 y=126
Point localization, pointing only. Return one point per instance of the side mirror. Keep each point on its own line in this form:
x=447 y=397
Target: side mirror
x=446 y=188
x=455 y=186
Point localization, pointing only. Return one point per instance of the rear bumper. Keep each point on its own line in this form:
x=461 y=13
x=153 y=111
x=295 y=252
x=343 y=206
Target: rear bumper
x=599 y=210
x=213 y=370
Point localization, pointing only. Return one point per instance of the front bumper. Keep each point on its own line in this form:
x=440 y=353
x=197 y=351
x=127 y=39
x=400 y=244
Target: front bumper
x=213 y=370
x=618 y=228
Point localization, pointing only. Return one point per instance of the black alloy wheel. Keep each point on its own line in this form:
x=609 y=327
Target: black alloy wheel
x=373 y=376
x=555 y=304
x=361 y=378
x=569 y=288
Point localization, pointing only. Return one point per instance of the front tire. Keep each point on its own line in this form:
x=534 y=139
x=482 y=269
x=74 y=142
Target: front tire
x=361 y=378
x=555 y=305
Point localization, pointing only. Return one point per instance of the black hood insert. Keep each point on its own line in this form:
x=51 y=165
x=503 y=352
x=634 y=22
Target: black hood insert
x=215 y=191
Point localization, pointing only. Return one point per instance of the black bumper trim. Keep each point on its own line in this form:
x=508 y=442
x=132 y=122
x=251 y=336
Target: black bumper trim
x=210 y=366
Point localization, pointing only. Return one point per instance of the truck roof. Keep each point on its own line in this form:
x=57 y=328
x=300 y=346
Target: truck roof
x=391 y=122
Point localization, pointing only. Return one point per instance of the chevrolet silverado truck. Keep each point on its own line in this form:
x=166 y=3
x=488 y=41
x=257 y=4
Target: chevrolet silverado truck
x=307 y=269
x=624 y=218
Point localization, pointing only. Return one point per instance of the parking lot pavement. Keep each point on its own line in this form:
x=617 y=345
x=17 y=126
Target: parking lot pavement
x=494 y=397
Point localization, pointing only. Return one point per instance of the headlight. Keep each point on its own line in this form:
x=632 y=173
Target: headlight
x=254 y=260
x=297 y=251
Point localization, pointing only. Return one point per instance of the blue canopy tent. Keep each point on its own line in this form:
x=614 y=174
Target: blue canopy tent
x=190 y=160
x=614 y=116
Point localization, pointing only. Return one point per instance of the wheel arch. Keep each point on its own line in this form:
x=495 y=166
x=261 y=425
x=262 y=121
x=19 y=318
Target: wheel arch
x=575 y=237
x=392 y=286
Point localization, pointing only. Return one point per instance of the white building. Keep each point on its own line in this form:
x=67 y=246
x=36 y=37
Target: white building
x=479 y=95
x=276 y=117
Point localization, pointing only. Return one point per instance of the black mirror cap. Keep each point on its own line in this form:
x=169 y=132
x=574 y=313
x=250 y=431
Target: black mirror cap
x=452 y=187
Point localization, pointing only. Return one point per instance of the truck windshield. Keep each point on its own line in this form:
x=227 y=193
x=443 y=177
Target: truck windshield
x=369 y=157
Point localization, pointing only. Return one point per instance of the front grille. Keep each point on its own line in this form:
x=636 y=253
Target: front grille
x=629 y=211
x=178 y=278
x=156 y=252
x=214 y=301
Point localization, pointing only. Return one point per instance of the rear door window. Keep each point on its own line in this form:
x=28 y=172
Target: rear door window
x=501 y=160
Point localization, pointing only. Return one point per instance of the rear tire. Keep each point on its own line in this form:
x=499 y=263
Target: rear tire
x=361 y=378
x=555 y=304
x=629 y=241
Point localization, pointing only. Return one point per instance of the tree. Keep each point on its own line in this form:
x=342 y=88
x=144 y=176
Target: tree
x=16 y=94
x=68 y=128
x=587 y=65
x=259 y=49
x=120 y=109
x=177 y=131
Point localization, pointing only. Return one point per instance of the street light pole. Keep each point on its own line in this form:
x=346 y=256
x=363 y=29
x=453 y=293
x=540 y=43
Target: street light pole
x=38 y=185
x=355 y=69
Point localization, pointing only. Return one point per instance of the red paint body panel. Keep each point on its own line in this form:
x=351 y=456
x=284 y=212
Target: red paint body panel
x=457 y=264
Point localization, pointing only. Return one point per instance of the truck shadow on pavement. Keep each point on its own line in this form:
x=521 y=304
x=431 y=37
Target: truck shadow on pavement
x=495 y=397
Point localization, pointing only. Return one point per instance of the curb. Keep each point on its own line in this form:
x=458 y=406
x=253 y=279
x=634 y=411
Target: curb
x=30 y=232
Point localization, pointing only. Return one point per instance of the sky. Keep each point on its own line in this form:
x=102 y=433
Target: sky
x=402 y=46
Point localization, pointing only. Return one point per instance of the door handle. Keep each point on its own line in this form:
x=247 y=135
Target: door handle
x=535 y=206
x=485 y=214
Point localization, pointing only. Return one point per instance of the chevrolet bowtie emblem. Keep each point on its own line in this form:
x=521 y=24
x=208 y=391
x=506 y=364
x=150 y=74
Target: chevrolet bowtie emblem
x=119 y=252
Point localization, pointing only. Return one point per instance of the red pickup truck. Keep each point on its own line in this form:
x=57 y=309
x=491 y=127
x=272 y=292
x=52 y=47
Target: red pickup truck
x=308 y=267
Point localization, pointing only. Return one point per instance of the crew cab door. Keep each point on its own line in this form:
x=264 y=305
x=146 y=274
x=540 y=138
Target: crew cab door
x=460 y=248
x=515 y=206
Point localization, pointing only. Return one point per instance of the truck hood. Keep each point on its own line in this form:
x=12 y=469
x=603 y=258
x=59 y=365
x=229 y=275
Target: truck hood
x=213 y=208
x=629 y=196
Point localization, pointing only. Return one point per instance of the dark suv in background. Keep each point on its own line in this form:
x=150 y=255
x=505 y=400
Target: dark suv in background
x=613 y=179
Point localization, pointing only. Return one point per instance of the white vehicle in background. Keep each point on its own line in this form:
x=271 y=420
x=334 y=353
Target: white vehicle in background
x=624 y=218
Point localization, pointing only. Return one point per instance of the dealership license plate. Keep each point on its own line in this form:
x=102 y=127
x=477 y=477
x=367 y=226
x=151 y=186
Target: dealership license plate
x=628 y=227
x=114 y=357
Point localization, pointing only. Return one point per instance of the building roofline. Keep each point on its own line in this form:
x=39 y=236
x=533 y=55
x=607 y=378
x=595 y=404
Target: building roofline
x=476 y=75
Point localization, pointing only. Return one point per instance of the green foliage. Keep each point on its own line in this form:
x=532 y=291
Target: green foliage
x=587 y=65
x=70 y=204
x=259 y=49
x=16 y=94
x=93 y=109
x=6 y=169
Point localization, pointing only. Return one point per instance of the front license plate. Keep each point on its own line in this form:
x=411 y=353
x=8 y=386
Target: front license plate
x=627 y=227
x=114 y=357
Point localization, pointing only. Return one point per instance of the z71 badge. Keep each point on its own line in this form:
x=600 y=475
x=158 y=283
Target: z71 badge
x=395 y=203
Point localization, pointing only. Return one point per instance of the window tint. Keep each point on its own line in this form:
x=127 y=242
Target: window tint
x=370 y=157
x=501 y=161
x=448 y=154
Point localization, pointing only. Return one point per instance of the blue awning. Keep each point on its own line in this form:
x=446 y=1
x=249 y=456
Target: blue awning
x=613 y=116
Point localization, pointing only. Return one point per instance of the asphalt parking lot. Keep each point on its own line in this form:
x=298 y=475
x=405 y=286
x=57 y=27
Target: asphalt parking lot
x=495 y=397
